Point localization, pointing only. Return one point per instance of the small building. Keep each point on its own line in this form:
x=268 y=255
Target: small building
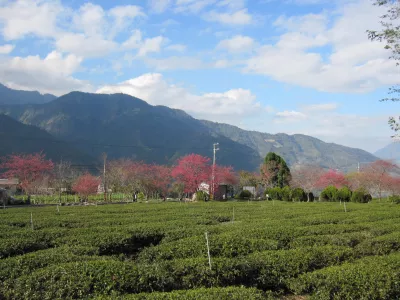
x=10 y=185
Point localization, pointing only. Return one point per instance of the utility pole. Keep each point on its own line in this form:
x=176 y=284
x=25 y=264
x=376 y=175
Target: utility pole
x=104 y=177
x=215 y=149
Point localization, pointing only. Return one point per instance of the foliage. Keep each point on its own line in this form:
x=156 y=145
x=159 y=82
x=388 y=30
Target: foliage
x=299 y=195
x=247 y=178
x=329 y=194
x=307 y=177
x=192 y=170
x=391 y=36
x=141 y=196
x=344 y=194
x=332 y=178
x=360 y=196
x=286 y=194
x=160 y=251
x=86 y=185
x=274 y=193
x=201 y=196
x=30 y=169
x=245 y=194
x=395 y=199
x=274 y=171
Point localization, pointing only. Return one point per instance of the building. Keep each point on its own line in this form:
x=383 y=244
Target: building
x=10 y=185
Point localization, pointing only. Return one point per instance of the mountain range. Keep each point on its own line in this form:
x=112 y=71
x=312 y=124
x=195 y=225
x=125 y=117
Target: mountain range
x=391 y=151
x=125 y=126
x=10 y=96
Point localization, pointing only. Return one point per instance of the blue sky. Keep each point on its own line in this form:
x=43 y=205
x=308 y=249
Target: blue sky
x=292 y=66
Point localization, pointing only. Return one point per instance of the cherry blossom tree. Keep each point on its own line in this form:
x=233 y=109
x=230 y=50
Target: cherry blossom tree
x=307 y=178
x=86 y=185
x=192 y=170
x=376 y=173
x=332 y=178
x=30 y=169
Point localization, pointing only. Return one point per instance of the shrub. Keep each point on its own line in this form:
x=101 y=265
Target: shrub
x=329 y=194
x=394 y=199
x=274 y=193
x=141 y=196
x=360 y=196
x=344 y=194
x=299 y=195
x=286 y=194
x=367 y=278
x=245 y=194
x=201 y=196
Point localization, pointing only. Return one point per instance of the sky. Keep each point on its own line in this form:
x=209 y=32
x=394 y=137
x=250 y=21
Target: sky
x=276 y=66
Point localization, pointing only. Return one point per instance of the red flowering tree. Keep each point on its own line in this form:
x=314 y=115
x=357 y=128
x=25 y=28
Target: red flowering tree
x=86 y=185
x=332 y=178
x=30 y=169
x=307 y=178
x=392 y=184
x=160 y=179
x=375 y=175
x=191 y=171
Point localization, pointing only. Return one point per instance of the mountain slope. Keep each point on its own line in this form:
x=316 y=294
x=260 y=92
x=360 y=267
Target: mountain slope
x=18 y=138
x=391 y=151
x=10 y=96
x=131 y=128
x=296 y=149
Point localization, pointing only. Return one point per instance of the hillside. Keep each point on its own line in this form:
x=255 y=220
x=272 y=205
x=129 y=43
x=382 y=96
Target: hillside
x=22 y=139
x=124 y=126
x=391 y=151
x=296 y=149
x=10 y=96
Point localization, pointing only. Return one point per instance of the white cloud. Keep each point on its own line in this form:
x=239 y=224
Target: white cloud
x=175 y=63
x=21 y=18
x=151 y=45
x=236 y=44
x=85 y=46
x=6 y=49
x=176 y=47
x=53 y=74
x=240 y=17
x=90 y=19
x=123 y=16
x=321 y=107
x=290 y=115
x=354 y=64
x=191 y=6
x=229 y=106
x=159 y=6
x=133 y=41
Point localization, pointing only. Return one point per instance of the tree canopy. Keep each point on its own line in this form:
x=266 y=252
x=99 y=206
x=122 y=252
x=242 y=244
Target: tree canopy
x=274 y=171
x=390 y=35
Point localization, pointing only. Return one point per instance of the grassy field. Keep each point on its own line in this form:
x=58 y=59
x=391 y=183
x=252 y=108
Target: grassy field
x=259 y=250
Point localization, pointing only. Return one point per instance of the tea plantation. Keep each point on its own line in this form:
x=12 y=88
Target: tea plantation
x=259 y=250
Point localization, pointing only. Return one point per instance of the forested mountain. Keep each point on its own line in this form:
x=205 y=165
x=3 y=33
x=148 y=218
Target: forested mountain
x=17 y=138
x=10 y=96
x=297 y=148
x=125 y=126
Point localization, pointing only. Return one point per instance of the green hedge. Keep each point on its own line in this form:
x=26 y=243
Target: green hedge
x=228 y=293
x=368 y=278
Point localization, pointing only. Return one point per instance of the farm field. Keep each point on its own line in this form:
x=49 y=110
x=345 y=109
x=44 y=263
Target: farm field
x=259 y=250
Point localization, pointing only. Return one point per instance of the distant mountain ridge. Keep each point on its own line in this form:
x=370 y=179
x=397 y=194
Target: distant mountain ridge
x=296 y=149
x=391 y=151
x=18 y=138
x=125 y=126
x=15 y=97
